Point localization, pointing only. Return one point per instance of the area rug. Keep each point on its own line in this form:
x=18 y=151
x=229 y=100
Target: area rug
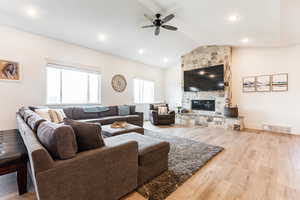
x=186 y=157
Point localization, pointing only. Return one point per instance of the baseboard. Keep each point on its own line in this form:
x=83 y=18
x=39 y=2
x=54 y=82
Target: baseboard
x=259 y=131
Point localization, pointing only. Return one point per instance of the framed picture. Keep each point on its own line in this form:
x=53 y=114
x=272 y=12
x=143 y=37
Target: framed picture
x=9 y=71
x=280 y=82
x=263 y=83
x=249 y=84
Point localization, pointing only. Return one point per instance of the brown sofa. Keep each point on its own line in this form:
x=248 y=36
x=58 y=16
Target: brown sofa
x=105 y=173
x=105 y=117
x=157 y=119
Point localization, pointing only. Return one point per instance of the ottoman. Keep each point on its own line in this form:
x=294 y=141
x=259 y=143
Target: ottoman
x=107 y=131
x=153 y=154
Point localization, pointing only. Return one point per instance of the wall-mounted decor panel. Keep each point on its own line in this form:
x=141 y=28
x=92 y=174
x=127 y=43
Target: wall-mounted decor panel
x=9 y=70
x=280 y=82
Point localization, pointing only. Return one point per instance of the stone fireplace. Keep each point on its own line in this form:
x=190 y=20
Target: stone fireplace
x=204 y=57
x=207 y=105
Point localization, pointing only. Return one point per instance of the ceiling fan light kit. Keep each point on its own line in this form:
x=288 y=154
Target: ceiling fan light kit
x=158 y=23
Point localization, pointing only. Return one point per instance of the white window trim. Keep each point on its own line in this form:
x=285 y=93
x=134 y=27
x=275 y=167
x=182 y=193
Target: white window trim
x=59 y=65
x=142 y=79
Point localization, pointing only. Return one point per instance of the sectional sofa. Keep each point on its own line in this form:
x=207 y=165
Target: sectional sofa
x=105 y=117
x=124 y=163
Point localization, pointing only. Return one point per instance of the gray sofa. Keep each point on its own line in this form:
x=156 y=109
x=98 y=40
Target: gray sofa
x=106 y=173
x=105 y=117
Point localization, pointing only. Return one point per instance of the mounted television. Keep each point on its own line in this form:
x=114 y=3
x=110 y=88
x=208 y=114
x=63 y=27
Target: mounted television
x=204 y=79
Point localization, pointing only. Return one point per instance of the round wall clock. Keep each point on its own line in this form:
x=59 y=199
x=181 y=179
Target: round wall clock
x=119 y=83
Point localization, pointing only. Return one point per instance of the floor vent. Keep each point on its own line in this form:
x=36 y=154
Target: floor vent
x=278 y=129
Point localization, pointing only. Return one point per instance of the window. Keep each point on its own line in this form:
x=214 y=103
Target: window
x=72 y=86
x=143 y=91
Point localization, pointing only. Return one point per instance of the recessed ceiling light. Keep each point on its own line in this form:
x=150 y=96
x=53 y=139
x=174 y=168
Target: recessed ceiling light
x=233 y=18
x=202 y=72
x=102 y=37
x=141 y=51
x=212 y=76
x=31 y=12
x=245 y=40
x=166 y=60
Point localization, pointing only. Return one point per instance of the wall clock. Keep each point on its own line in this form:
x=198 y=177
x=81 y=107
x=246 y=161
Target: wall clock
x=119 y=83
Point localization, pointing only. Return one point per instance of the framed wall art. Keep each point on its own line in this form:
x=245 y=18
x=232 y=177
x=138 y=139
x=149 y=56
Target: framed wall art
x=263 y=83
x=9 y=71
x=249 y=84
x=280 y=82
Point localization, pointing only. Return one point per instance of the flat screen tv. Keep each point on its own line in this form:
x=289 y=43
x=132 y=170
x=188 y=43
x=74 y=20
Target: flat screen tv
x=204 y=79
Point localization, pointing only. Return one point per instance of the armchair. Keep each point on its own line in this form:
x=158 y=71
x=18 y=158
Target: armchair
x=157 y=119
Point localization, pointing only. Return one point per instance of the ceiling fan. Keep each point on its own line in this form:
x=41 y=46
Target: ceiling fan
x=158 y=22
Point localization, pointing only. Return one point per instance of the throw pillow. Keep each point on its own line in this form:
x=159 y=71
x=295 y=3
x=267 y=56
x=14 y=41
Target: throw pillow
x=34 y=121
x=162 y=110
x=88 y=135
x=22 y=111
x=57 y=115
x=44 y=113
x=124 y=110
x=27 y=114
x=156 y=106
x=58 y=139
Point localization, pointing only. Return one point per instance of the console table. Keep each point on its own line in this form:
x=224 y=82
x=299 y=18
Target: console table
x=13 y=157
x=211 y=120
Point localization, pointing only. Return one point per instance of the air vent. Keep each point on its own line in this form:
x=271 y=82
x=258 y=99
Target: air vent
x=278 y=129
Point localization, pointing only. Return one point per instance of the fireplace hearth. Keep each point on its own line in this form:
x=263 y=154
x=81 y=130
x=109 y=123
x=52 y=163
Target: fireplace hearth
x=205 y=105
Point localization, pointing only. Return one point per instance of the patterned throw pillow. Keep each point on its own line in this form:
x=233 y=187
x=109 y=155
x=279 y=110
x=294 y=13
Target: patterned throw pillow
x=52 y=115
x=162 y=110
x=57 y=115
x=44 y=113
x=124 y=110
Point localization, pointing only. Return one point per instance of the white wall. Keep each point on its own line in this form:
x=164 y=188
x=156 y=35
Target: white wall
x=31 y=51
x=274 y=108
x=173 y=89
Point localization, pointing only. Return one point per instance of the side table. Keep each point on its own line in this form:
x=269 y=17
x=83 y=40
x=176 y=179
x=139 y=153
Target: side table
x=13 y=157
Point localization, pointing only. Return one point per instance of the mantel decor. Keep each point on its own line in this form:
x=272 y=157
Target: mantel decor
x=119 y=83
x=9 y=71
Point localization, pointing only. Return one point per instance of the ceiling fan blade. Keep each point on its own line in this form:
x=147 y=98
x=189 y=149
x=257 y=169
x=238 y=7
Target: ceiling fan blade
x=148 y=26
x=157 y=31
x=171 y=28
x=149 y=18
x=168 y=18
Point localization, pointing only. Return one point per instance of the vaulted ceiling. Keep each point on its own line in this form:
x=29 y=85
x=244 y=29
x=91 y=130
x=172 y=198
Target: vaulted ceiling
x=113 y=26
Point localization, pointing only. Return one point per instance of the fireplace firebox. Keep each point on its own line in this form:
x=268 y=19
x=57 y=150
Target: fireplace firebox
x=206 y=105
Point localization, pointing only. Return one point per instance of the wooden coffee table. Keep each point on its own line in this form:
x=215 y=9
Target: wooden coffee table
x=107 y=131
x=13 y=157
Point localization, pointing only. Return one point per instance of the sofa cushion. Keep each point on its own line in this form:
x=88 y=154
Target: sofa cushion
x=123 y=110
x=58 y=139
x=33 y=108
x=79 y=113
x=68 y=112
x=34 y=121
x=27 y=114
x=150 y=149
x=88 y=135
x=113 y=111
x=132 y=109
x=112 y=119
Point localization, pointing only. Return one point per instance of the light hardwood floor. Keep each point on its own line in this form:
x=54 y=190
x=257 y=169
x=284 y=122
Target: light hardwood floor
x=253 y=166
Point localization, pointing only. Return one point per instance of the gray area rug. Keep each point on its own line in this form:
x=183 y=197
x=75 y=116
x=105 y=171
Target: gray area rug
x=186 y=157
